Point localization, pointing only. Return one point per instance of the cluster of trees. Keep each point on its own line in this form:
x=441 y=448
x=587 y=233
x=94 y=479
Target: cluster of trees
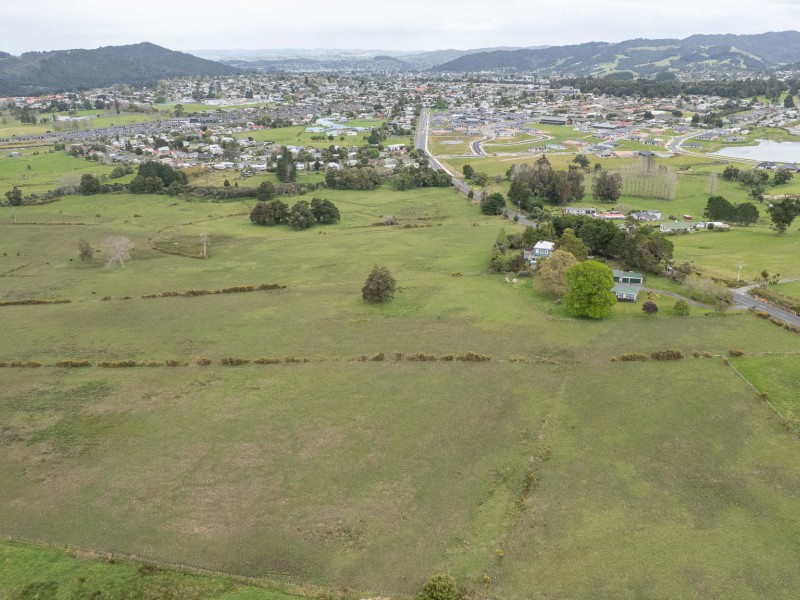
x=719 y=209
x=645 y=179
x=410 y=177
x=531 y=186
x=301 y=215
x=661 y=87
x=756 y=179
x=352 y=178
x=642 y=247
x=152 y=177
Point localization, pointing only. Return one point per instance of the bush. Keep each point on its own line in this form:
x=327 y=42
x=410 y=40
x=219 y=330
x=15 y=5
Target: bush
x=379 y=357
x=296 y=359
x=736 y=352
x=474 y=357
x=439 y=587
x=169 y=363
x=650 y=308
x=267 y=360
x=72 y=364
x=681 y=308
x=421 y=357
x=234 y=362
x=633 y=356
x=379 y=286
x=667 y=355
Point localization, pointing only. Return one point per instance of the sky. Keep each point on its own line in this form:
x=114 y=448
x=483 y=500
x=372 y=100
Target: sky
x=375 y=24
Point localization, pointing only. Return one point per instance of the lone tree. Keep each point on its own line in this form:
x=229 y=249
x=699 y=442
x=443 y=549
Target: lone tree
x=379 y=286
x=650 y=308
x=589 y=295
x=439 y=587
x=552 y=278
x=85 y=251
x=468 y=171
x=118 y=249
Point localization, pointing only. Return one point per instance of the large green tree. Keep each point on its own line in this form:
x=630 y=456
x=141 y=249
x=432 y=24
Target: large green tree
x=782 y=214
x=89 y=184
x=589 y=294
x=324 y=211
x=493 y=204
x=300 y=215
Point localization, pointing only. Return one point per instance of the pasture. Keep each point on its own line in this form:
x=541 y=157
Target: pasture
x=547 y=471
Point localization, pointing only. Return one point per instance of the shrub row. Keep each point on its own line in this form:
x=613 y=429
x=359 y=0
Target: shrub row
x=237 y=289
x=31 y=302
x=667 y=355
x=22 y=364
x=73 y=364
x=775 y=321
x=423 y=357
x=123 y=364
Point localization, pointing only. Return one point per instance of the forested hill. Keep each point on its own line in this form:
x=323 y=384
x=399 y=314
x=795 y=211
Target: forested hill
x=734 y=53
x=38 y=72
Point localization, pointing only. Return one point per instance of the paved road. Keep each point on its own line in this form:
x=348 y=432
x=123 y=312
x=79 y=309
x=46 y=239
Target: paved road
x=742 y=297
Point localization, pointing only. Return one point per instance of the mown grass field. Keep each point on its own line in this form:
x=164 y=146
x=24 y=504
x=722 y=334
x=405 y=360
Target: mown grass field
x=590 y=477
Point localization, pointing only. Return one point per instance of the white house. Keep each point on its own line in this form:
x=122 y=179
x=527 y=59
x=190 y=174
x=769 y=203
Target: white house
x=577 y=210
x=543 y=249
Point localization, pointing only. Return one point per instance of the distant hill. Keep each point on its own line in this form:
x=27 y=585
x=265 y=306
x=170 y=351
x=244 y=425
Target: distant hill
x=338 y=59
x=643 y=56
x=137 y=64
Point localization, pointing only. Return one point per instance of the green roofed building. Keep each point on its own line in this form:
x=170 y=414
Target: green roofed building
x=627 y=285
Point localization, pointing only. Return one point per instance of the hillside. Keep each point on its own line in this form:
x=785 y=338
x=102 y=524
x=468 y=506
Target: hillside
x=644 y=56
x=37 y=72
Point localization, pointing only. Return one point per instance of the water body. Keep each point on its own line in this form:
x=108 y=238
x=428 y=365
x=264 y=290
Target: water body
x=767 y=151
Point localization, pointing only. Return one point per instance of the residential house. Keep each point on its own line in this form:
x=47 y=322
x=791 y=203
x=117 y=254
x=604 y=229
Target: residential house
x=577 y=210
x=627 y=285
x=543 y=249
x=648 y=215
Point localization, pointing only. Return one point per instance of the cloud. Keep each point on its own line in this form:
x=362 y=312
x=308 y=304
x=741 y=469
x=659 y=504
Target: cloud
x=409 y=25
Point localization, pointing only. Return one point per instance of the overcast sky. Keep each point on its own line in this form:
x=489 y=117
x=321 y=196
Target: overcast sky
x=375 y=24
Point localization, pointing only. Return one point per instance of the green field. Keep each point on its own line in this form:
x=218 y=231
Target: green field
x=47 y=170
x=36 y=571
x=547 y=472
